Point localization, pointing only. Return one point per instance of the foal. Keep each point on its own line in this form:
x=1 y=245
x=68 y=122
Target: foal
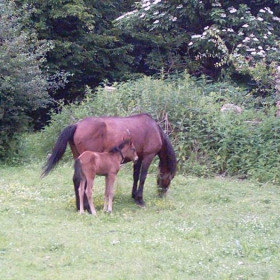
x=107 y=164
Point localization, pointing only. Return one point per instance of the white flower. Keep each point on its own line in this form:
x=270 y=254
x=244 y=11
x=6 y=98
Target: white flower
x=276 y=18
x=262 y=11
x=259 y=19
x=268 y=10
x=146 y=4
x=126 y=15
x=245 y=25
x=223 y=15
x=179 y=7
x=156 y=21
x=232 y=10
x=190 y=43
x=261 y=53
x=196 y=36
x=156 y=2
x=207 y=27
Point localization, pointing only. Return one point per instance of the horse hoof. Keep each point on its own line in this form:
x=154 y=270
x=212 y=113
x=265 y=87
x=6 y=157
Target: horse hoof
x=140 y=202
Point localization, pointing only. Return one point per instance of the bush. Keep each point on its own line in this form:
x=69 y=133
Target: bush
x=207 y=142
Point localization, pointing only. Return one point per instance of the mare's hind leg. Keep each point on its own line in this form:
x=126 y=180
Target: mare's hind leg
x=136 y=175
x=89 y=195
x=144 y=171
x=76 y=189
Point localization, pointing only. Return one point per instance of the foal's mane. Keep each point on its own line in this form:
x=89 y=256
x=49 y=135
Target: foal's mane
x=116 y=149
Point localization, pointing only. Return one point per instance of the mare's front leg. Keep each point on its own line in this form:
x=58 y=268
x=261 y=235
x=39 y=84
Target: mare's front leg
x=109 y=192
x=89 y=195
x=136 y=175
x=144 y=171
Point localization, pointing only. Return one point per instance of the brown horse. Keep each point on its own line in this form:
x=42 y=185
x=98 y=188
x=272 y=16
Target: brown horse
x=89 y=164
x=100 y=134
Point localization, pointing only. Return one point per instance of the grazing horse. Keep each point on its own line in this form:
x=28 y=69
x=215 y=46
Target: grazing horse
x=108 y=164
x=100 y=134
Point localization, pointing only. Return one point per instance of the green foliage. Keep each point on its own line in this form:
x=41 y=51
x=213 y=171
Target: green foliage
x=23 y=86
x=86 y=44
x=207 y=141
x=233 y=39
x=245 y=43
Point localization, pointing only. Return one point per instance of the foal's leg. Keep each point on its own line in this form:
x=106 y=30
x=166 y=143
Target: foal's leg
x=89 y=195
x=109 y=192
x=106 y=196
x=81 y=195
x=76 y=189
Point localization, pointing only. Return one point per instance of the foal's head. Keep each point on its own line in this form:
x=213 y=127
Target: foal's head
x=127 y=150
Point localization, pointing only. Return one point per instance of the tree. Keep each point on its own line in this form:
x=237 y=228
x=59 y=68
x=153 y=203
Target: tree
x=23 y=86
x=85 y=42
x=209 y=36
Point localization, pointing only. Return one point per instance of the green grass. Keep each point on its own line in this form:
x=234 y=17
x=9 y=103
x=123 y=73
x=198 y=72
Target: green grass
x=204 y=229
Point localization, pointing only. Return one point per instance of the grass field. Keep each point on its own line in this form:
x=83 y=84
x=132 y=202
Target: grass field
x=204 y=229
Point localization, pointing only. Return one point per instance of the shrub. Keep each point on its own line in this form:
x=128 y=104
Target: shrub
x=207 y=142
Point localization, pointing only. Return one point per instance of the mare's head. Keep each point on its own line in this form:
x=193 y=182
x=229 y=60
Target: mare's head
x=163 y=182
x=167 y=166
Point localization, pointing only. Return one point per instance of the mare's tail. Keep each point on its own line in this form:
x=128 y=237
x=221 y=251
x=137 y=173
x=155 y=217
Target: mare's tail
x=59 y=149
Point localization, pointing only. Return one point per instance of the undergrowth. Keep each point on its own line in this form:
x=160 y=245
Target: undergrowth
x=207 y=142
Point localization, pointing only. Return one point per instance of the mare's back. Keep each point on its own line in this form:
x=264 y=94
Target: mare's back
x=102 y=133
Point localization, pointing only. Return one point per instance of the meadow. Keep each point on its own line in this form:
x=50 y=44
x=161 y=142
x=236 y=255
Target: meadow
x=214 y=228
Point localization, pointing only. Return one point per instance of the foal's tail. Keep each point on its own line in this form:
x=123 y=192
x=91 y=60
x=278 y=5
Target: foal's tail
x=59 y=149
x=78 y=172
